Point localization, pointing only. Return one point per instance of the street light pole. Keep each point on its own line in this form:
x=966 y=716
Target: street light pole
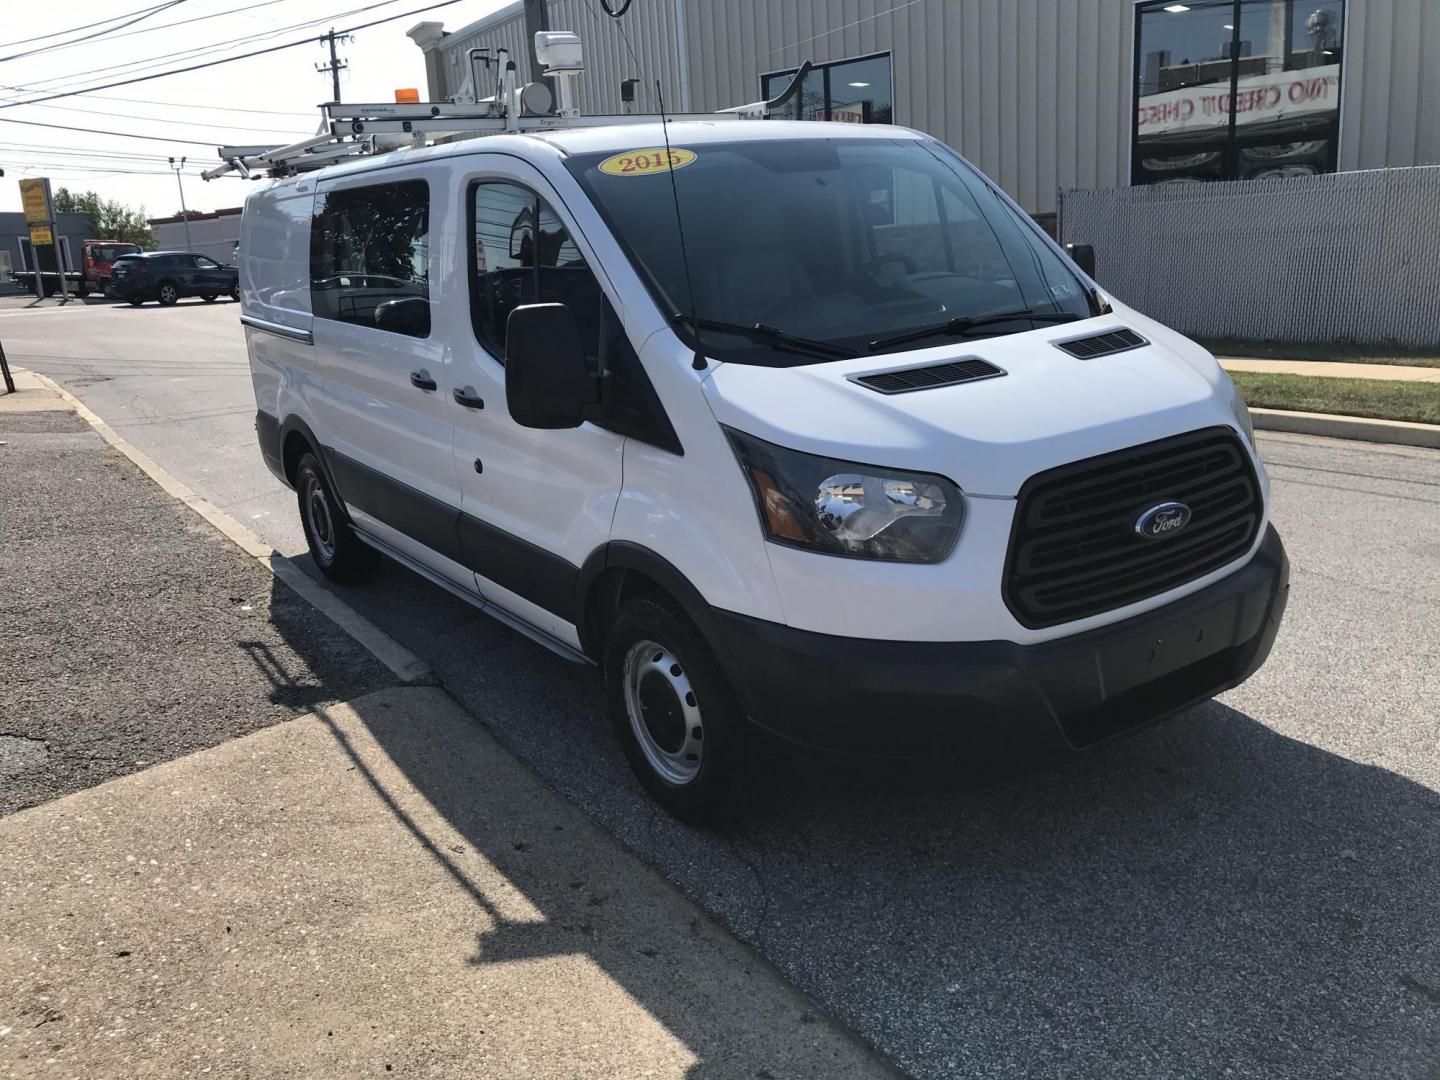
x=183 y=212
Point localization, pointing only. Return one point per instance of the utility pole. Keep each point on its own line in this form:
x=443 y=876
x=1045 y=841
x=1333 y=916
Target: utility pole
x=537 y=18
x=336 y=65
x=183 y=212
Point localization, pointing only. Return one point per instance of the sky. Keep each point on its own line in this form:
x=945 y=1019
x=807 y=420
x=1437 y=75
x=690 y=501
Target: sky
x=263 y=99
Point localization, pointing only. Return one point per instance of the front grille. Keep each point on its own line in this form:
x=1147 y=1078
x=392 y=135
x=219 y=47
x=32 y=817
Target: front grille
x=1074 y=551
x=903 y=380
x=1112 y=341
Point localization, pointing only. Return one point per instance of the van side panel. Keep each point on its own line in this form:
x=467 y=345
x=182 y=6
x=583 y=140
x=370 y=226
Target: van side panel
x=274 y=262
x=274 y=258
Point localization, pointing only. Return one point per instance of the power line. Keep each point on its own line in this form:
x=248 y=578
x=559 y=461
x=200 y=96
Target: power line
x=156 y=120
x=132 y=67
x=198 y=18
x=169 y=104
x=90 y=37
x=227 y=60
x=114 y=134
x=12 y=149
x=87 y=26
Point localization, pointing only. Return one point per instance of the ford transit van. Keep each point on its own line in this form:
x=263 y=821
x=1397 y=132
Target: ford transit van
x=804 y=433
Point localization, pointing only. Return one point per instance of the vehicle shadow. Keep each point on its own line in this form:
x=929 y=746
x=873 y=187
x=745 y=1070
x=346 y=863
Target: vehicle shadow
x=589 y=904
x=1207 y=897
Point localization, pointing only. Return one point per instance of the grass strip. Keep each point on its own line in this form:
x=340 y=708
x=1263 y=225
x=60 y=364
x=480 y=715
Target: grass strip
x=1345 y=354
x=1373 y=398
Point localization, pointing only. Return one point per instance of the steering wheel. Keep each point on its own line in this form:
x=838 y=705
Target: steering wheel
x=871 y=269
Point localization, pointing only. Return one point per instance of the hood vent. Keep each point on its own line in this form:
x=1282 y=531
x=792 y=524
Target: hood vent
x=1112 y=341
x=904 y=380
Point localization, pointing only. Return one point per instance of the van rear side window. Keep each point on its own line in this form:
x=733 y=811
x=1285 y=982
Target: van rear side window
x=369 y=247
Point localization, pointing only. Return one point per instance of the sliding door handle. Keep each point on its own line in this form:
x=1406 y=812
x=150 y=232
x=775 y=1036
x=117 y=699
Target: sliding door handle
x=421 y=380
x=466 y=396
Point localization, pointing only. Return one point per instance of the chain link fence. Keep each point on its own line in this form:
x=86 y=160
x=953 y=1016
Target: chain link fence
x=1339 y=258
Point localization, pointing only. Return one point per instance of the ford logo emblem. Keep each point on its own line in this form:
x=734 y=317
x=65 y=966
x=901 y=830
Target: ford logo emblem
x=1162 y=520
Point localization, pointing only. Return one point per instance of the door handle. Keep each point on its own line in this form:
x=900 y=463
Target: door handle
x=421 y=380
x=466 y=396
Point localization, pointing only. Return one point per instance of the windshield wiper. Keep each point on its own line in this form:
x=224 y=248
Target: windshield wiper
x=768 y=335
x=963 y=325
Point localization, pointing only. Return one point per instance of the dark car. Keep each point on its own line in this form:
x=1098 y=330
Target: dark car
x=166 y=276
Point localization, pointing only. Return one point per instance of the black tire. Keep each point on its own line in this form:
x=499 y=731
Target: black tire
x=337 y=551
x=235 y=292
x=168 y=293
x=710 y=720
x=135 y=301
x=208 y=297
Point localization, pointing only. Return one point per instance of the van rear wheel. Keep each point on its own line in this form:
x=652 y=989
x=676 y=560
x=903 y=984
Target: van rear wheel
x=674 y=713
x=337 y=551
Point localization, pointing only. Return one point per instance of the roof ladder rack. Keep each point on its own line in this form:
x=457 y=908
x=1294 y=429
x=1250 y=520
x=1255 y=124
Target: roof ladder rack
x=355 y=130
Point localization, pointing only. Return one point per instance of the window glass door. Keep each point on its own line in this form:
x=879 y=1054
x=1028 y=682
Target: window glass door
x=1236 y=89
x=852 y=91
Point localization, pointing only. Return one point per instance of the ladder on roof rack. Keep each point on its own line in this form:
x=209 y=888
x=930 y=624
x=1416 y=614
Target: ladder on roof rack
x=356 y=130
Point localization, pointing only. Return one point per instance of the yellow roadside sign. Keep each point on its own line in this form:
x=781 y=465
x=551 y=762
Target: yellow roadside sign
x=40 y=234
x=34 y=198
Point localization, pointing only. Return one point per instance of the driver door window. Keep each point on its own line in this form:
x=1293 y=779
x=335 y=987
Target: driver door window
x=523 y=254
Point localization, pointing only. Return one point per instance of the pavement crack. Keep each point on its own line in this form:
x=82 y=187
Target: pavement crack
x=756 y=932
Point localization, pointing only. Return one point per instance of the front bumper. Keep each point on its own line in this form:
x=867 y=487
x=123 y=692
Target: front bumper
x=996 y=703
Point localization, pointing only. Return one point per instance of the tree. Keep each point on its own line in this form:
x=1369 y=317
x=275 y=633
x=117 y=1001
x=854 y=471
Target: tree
x=113 y=220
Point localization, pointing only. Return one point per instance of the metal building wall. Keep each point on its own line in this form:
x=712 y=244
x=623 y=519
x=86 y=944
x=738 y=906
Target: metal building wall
x=1037 y=93
x=1390 y=85
x=650 y=26
x=1034 y=92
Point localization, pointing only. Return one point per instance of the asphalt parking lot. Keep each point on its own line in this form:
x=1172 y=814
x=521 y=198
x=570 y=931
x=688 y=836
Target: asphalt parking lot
x=1249 y=890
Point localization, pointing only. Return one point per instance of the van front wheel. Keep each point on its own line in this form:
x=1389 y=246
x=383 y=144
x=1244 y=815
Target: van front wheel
x=674 y=713
x=337 y=551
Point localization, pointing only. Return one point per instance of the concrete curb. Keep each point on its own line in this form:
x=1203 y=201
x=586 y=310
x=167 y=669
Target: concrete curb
x=1397 y=432
x=406 y=666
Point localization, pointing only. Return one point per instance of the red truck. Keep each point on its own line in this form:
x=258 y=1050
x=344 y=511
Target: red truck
x=97 y=256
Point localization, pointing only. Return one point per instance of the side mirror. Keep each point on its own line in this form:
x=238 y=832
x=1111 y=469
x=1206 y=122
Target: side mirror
x=548 y=383
x=407 y=315
x=1083 y=256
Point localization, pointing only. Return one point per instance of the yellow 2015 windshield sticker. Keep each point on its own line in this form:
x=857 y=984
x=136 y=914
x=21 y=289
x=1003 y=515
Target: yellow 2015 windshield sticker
x=656 y=159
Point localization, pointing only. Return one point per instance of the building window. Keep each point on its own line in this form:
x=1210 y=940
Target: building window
x=855 y=91
x=369 y=246
x=1236 y=89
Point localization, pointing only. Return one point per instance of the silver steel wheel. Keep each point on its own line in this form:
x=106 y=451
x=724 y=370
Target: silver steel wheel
x=664 y=713
x=168 y=295
x=317 y=512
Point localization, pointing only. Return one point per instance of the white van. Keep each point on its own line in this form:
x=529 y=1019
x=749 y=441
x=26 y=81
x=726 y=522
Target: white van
x=804 y=432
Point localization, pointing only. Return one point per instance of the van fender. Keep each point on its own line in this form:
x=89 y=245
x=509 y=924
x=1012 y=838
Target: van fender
x=294 y=424
x=627 y=555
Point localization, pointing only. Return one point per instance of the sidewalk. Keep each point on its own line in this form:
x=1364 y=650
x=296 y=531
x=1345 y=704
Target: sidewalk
x=377 y=889
x=130 y=631
x=1334 y=369
x=319 y=887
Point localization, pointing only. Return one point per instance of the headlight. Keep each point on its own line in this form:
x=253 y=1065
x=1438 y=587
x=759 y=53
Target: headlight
x=841 y=508
x=1242 y=414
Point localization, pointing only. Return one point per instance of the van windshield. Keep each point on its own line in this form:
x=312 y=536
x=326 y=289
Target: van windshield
x=835 y=241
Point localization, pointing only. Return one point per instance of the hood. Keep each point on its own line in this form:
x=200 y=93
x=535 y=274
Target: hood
x=989 y=435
